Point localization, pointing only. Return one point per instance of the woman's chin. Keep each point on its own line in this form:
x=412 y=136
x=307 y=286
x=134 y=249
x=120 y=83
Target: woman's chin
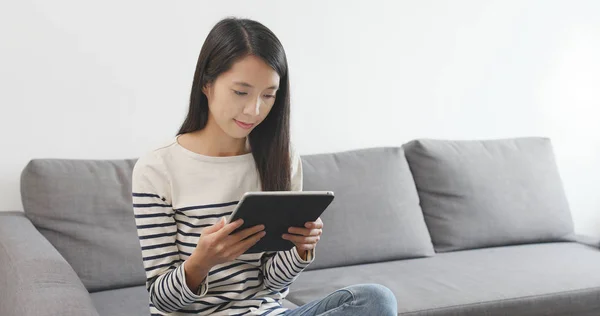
x=238 y=133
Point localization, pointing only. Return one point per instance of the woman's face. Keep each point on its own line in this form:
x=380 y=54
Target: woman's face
x=241 y=98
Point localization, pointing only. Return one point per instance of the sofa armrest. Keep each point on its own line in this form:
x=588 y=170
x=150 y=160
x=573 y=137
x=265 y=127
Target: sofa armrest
x=587 y=240
x=34 y=278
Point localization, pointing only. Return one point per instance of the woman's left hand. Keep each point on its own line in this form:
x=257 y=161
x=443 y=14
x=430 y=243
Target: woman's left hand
x=305 y=238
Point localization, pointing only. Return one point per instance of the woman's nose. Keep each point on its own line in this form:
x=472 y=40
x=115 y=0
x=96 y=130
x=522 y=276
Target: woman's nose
x=253 y=108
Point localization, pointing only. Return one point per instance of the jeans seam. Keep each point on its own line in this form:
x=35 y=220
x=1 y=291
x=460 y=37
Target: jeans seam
x=339 y=307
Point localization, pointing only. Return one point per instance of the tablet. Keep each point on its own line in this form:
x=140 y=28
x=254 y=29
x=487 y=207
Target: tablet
x=278 y=211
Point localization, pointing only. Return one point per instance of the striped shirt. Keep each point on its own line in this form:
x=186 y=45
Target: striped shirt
x=176 y=194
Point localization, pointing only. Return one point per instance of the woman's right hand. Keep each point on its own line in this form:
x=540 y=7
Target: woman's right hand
x=217 y=245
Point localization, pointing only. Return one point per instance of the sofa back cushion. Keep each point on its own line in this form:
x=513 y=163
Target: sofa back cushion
x=83 y=207
x=375 y=215
x=478 y=194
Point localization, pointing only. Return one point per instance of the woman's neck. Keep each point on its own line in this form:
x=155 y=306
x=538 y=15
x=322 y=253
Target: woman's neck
x=214 y=142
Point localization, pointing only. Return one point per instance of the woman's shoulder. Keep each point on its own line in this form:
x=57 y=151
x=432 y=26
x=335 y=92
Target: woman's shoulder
x=154 y=159
x=296 y=166
x=294 y=155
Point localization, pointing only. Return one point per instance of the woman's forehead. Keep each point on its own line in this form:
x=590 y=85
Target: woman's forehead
x=252 y=72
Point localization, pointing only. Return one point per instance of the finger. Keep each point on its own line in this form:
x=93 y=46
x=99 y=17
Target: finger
x=316 y=225
x=215 y=227
x=245 y=244
x=299 y=231
x=241 y=235
x=304 y=231
x=301 y=239
x=229 y=228
x=306 y=246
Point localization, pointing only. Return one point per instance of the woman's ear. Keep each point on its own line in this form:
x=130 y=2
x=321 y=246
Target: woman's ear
x=206 y=89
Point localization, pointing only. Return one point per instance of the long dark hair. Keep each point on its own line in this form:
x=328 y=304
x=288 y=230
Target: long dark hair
x=230 y=40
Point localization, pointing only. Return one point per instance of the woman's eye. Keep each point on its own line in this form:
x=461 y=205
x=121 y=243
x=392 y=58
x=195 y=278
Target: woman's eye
x=272 y=96
x=240 y=92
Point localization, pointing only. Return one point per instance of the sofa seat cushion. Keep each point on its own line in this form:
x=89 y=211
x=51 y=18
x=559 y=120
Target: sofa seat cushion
x=541 y=279
x=131 y=301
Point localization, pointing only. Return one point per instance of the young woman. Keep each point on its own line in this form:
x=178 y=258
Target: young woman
x=235 y=139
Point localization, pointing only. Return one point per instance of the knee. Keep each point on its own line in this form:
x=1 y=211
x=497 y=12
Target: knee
x=378 y=296
x=382 y=294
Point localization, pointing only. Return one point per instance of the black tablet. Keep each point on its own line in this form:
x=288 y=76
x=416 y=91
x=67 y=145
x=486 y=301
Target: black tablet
x=278 y=211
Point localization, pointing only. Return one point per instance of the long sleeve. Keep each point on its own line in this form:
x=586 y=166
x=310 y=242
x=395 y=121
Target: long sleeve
x=157 y=230
x=281 y=268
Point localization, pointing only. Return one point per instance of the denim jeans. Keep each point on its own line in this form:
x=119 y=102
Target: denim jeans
x=362 y=299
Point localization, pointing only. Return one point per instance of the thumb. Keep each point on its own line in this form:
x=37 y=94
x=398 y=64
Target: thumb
x=216 y=226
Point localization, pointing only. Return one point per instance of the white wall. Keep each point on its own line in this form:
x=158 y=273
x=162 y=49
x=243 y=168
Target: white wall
x=111 y=79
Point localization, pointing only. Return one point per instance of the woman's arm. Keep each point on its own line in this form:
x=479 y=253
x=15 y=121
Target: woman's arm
x=282 y=268
x=167 y=282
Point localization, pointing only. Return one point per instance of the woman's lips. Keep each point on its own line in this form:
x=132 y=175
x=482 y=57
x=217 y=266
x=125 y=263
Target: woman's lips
x=243 y=125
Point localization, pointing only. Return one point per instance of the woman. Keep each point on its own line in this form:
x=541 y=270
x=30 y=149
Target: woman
x=235 y=139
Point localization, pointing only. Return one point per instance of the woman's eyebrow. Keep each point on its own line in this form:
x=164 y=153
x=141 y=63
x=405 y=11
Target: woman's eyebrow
x=245 y=84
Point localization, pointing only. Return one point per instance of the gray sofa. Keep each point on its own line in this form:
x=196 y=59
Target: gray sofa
x=451 y=227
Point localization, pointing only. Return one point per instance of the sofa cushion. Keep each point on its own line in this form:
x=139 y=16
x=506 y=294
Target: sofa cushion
x=132 y=301
x=83 y=207
x=539 y=279
x=489 y=193
x=34 y=278
x=375 y=215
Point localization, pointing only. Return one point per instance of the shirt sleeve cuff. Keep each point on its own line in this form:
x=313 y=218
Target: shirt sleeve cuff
x=310 y=257
x=191 y=295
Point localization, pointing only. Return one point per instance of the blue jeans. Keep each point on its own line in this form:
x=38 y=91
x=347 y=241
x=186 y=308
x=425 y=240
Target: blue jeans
x=363 y=300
